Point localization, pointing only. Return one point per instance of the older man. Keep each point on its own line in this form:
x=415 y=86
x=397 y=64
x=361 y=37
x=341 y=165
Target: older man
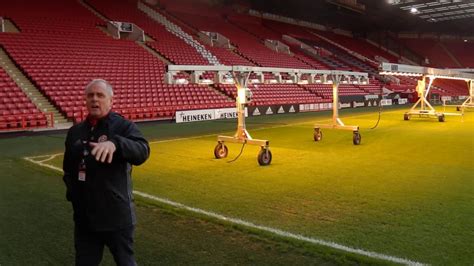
x=100 y=152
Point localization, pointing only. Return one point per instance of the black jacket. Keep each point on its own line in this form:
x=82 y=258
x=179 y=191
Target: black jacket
x=104 y=201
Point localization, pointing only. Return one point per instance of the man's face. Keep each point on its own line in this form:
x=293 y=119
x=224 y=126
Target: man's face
x=98 y=100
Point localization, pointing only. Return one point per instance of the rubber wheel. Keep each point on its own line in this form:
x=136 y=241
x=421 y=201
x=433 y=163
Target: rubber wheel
x=318 y=135
x=356 y=138
x=264 y=157
x=220 y=151
x=441 y=118
x=406 y=117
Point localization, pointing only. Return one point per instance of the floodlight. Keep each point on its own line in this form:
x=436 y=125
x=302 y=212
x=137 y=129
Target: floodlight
x=396 y=73
x=229 y=80
x=364 y=80
x=206 y=81
x=181 y=81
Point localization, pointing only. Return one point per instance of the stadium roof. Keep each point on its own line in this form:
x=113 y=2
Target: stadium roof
x=436 y=11
x=442 y=16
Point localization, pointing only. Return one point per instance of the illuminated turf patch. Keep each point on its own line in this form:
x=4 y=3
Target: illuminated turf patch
x=405 y=191
x=41 y=160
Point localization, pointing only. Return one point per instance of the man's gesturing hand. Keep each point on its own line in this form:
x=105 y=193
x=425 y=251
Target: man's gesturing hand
x=103 y=151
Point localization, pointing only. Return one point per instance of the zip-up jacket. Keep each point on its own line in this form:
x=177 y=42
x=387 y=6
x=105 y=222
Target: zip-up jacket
x=104 y=200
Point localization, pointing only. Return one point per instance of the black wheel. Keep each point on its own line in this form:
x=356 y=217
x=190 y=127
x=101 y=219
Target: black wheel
x=406 y=117
x=441 y=118
x=220 y=151
x=318 y=135
x=264 y=157
x=356 y=138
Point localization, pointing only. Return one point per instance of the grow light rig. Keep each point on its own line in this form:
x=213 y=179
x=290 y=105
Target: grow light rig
x=336 y=78
x=469 y=102
x=428 y=75
x=240 y=76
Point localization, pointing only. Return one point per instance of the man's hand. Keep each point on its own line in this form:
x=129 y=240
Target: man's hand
x=103 y=151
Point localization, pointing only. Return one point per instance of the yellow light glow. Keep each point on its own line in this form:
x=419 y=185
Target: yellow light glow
x=400 y=74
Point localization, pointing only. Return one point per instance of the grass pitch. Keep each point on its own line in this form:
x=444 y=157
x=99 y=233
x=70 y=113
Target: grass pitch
x=406 y=191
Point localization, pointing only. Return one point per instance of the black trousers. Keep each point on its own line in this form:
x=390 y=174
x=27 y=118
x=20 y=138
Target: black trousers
x=90 y=246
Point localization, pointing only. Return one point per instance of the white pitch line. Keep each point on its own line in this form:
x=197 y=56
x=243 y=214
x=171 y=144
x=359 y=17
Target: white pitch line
x=30 y=159
x=241 y=222
x=39 y=156
x=49 y=158
x=280 y=232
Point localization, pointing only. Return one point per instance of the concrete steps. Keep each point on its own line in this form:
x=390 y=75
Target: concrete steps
x=31 y=91
x=106 y=32
x=180 y=33
x=9 y=26
x=93 y=10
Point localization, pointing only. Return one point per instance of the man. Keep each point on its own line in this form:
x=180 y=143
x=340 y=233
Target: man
x=100 y=152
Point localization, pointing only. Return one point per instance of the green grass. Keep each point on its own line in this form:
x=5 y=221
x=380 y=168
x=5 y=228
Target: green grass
x=406 y=191
x=36 y=229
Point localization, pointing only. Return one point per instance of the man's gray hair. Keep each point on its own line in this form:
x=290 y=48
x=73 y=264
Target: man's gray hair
x=108 y=87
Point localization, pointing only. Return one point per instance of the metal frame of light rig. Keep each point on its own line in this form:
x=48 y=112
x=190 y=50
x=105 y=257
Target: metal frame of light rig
x=335 y=78
x=469 y=102
x=240 y=76
x=430 y=74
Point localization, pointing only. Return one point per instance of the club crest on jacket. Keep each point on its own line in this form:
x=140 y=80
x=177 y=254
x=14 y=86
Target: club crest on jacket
x=102 y=138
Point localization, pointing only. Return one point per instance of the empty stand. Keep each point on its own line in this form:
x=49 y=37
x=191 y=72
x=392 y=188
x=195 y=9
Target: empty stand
x=431 y=50
x=167 y=44
x=16 y=109
x=275 y=94
x=462 y=51
x=325 y=90
x=61 y=56
x=360 y=46
x=247 y=44
x=60 y=49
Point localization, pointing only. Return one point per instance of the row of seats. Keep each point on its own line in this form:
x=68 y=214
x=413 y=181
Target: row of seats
x=20 y=122
x=359 y=46
x=16 y=109
x=169 y=45
x=431 y=50
x=62 y=78
x=61 y=51
x=247 y=44
x=256 y=27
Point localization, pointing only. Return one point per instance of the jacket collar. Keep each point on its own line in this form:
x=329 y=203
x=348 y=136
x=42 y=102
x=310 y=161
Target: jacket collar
x=94 y=121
